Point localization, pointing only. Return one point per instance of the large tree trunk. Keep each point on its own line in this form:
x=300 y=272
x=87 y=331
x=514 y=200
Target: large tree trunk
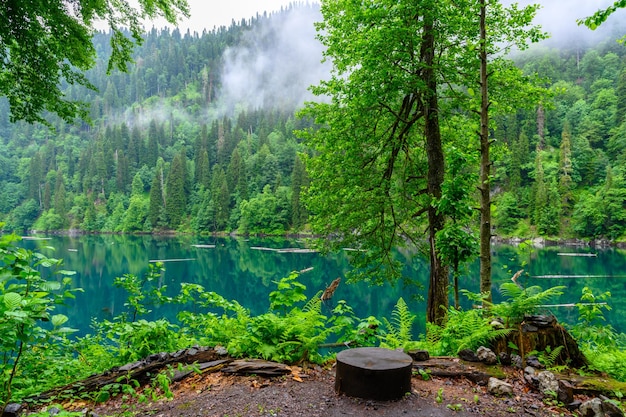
x=485 y=165
x=437 y=307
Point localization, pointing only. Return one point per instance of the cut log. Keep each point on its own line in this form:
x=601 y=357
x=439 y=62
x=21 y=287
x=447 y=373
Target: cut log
x=373 y=373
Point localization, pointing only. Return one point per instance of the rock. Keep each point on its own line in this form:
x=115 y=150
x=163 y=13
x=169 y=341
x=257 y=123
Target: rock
x=497 y=323
x=529 y=328
x=486 y=355
x=419 y=355
x=591 y=408
x=53 y=411
x=611 y=410
x=497 y=387
x=221 y=350
x=565 y=393
x=548 y=384
x=534 y=362
x=541 y=321
x=574 y=405
x=517 y=361
x=12 y=410
x=530 y=376
x=468 y=355
x=505 y=358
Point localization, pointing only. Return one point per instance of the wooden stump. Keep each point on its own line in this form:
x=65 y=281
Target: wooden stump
x=373 y=373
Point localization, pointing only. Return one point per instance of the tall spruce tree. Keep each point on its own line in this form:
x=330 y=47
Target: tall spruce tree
x=175 y=200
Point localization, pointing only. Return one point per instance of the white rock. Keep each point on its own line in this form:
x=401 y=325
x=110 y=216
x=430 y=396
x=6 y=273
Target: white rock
x=497 y=387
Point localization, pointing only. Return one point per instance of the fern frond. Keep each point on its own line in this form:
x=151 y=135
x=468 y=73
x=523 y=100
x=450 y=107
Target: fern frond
x=403 y=320
x=510 y=290
x=314 y=304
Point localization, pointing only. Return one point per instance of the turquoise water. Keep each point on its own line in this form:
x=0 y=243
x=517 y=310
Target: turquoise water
x=246 y=271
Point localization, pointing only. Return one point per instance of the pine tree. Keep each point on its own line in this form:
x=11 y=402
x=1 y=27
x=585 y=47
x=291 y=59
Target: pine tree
x=175 y=201
x=59 y=204
x=152 y=150
x=156 y=203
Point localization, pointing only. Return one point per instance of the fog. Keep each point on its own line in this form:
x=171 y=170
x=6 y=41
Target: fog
x=558 y=18
x=277 y=62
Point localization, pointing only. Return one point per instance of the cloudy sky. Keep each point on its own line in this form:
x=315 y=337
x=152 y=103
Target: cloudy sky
x=207 y=14
x=557 y=14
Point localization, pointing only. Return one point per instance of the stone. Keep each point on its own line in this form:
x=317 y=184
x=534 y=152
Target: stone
x=529 y=328
x=534 y=362
x=221 y=350
x=548 y=384
x=486 y=355
x=498 y=387
x=497 y=323
x=574 y=405
x=419 y=355
x=505 y=358
x=468 y=355
x=541 y=321
x=12 y=410
x=517 y=361
x=591 y=408
x=530 y=376
x=611 y=410
x=565 y=393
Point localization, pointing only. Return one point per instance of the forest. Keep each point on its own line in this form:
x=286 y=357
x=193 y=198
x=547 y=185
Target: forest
x=164 y=151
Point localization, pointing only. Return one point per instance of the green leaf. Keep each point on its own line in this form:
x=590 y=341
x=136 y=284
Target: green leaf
x=59 y=319
x=51 y=286
x=12 y=300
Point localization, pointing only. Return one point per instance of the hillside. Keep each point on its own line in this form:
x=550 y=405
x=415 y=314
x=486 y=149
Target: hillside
x=200 y=136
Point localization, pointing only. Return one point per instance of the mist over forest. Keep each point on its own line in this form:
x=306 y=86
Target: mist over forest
x=201 y=136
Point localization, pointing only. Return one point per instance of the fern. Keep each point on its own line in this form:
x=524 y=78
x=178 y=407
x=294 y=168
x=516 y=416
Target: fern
x=522 y=301
x=399 y=328
x=462 y=330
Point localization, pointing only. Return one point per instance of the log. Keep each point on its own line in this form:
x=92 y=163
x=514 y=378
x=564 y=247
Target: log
x=256 y=367
x=141 y=371
x=373 y=373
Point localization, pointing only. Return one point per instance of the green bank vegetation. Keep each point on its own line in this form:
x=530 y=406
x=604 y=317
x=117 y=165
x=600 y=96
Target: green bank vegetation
x=40 y=352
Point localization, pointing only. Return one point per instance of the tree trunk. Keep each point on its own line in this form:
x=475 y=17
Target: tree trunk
x=437 y=307
x=373 y=373
x=485 y=165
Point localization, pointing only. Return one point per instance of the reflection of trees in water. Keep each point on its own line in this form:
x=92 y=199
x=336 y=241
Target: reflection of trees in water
x=237 y=272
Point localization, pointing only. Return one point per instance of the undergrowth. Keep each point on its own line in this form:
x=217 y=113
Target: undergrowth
x=38 y=353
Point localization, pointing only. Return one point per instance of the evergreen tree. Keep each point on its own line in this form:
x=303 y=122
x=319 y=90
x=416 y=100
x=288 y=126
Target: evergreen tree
x=220 y=196
x=175 y=200
x=59 y=204
x=298 y=183
x=156 y=200
x=152 y=150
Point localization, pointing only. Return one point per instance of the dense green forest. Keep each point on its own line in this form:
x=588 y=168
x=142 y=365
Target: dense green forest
x=164 y=152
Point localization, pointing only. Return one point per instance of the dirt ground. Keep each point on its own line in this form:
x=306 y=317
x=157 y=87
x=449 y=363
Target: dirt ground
x=311 y=393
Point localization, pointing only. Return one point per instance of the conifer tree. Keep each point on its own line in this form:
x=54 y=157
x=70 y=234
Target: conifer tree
x=156 y=200
x=175 y=200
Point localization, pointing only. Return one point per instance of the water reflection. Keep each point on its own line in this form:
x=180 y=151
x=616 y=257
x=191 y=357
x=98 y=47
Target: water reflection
x=237 y=269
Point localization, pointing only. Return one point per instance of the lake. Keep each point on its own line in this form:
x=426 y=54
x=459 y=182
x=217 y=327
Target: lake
x=246 y=269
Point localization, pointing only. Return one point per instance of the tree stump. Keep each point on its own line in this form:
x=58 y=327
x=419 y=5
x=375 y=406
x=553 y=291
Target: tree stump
x=373 y=373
